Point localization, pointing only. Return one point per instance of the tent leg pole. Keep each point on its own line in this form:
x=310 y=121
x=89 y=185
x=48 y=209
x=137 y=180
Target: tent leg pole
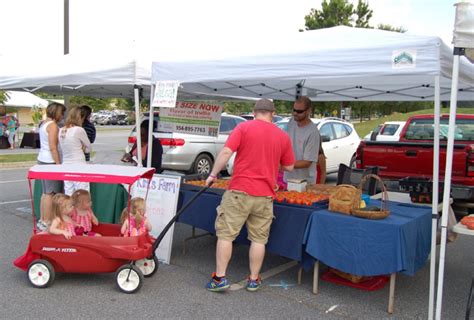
x=434 y=205
x=447 y=184
x=137 y=126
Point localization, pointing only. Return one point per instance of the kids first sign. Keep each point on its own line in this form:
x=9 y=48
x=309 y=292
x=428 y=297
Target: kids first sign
x=192 y=118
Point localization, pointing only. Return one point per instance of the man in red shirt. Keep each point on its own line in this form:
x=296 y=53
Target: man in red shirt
x=262 y=148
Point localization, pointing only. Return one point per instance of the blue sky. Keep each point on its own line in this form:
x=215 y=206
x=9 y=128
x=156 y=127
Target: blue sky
x=36 y=26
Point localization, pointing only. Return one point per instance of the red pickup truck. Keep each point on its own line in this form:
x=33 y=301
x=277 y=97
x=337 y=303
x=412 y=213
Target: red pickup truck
x=412 y=155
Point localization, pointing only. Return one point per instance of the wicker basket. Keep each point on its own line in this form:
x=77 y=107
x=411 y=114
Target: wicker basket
x=344 y=199
x=381 y=212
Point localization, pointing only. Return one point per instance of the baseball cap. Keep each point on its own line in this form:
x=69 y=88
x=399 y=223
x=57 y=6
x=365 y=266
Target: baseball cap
x=264 y=105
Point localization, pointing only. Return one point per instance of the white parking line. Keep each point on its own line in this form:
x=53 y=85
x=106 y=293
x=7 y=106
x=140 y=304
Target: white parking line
x=17 y=201
x=10 y=181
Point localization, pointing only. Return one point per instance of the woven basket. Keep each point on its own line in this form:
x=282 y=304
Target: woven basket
x=344 y=199
x=383 y=211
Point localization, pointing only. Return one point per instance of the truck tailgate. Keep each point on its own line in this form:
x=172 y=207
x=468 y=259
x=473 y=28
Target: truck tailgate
x=402 y=159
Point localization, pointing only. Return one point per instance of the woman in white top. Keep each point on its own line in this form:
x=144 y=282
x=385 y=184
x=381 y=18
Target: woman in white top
x=73 y=142
x=49 y=154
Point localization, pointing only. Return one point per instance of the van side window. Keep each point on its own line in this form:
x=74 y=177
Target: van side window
x=227 y=124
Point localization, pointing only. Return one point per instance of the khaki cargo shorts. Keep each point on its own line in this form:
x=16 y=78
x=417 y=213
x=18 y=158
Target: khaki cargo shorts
x=237 y=208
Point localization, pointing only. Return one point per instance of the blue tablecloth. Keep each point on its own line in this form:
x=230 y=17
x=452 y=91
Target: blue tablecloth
x=287 y=230
x=399 y=243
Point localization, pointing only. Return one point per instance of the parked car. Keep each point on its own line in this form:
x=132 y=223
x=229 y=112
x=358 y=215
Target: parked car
x=189 y=152
x=388 y=131
x=340 y=142
x=122 y=119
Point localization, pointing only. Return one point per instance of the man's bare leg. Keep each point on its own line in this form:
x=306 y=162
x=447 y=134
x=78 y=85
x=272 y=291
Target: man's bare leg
x=223 y=255
x=256 y=255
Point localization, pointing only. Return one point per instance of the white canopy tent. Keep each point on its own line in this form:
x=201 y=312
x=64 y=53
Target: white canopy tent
x=334 y=64
x=340 y=64
x=24 y=99
x=108 y=75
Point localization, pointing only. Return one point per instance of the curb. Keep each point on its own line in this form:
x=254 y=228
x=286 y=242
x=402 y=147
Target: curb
x=19 y=164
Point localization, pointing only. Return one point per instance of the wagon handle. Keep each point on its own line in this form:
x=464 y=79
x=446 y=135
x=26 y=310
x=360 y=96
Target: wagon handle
x=173 y=220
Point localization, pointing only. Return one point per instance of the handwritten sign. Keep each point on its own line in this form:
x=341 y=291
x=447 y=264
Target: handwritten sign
x=198 y=118
x=160 y=208
x=166 y=93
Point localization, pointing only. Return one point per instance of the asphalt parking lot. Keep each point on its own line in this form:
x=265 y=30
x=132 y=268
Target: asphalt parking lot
x=177 y=290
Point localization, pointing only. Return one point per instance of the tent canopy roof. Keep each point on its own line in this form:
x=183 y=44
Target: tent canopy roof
x=333 y=64
x=339 y=63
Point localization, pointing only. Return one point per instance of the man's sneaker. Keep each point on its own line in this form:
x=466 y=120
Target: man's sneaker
x=254 y=285
x=216 y=286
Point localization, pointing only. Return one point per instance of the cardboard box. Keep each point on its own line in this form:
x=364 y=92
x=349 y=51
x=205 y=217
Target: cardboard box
x=296 y=185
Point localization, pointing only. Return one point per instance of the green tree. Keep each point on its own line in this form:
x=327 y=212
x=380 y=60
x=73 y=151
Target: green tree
x=388 y=27
x=94 y=103
x=3 y=96
x=363 y=14
x=339 y=13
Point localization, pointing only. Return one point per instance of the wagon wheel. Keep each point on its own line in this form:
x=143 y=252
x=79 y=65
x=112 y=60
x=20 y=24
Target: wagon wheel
x=41 y=273
x=129 y=279
x=148 y=266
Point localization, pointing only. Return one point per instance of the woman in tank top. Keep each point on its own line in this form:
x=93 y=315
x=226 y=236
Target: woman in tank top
x=49 y=154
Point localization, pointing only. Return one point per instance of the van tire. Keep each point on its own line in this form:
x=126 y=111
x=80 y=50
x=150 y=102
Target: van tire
x=202 y=164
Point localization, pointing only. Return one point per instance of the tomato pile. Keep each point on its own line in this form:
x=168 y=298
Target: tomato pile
x=219 y=183
x=468 y=222
x=301 y=198
x=292 y=197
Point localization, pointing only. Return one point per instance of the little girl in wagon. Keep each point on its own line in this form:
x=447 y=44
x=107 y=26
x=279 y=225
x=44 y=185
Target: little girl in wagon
x=62 y=223
x=82 y=213
x=139 y=224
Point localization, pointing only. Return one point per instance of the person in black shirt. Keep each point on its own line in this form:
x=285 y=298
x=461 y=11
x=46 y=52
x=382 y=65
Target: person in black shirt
x=156 y=153
x=88 y=126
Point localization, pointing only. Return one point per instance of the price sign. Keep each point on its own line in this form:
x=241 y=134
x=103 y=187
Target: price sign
x=166 y=93
x=192 y=117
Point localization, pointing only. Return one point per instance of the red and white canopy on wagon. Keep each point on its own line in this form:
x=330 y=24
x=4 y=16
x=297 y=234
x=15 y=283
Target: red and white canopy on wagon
x=90 y=173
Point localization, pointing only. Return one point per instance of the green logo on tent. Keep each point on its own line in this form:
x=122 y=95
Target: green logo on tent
x=403 y=58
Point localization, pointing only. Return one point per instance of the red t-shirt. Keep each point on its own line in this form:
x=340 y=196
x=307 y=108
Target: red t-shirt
x=261 y=148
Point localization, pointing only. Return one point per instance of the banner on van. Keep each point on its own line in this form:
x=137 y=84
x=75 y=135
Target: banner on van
x=192 y=118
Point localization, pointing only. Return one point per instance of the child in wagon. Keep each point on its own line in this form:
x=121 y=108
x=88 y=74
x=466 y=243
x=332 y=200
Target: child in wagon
x=62 y=224
x=139 y=224
x=82 y=213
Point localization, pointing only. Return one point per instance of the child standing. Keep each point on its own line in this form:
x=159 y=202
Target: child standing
x=62 y=223
x=82 y=213
x=139 y=224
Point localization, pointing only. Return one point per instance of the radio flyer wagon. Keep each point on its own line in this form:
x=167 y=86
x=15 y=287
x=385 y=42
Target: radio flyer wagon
x=131 y=258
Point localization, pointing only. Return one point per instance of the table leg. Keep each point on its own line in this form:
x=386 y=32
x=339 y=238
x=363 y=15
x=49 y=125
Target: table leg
x=316 y=277
x=193 y=236
x=300 y=273
x=391 y=296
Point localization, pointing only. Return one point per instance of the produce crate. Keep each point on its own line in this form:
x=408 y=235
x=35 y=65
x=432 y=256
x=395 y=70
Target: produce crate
x=420 y=189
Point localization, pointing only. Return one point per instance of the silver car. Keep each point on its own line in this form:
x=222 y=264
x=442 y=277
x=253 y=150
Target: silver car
x=188 y=152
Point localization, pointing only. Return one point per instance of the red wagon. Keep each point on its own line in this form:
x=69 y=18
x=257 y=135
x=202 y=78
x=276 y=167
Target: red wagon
x=131 y=258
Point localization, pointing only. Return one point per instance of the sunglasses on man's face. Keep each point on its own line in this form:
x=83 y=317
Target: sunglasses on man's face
x=299 y=111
